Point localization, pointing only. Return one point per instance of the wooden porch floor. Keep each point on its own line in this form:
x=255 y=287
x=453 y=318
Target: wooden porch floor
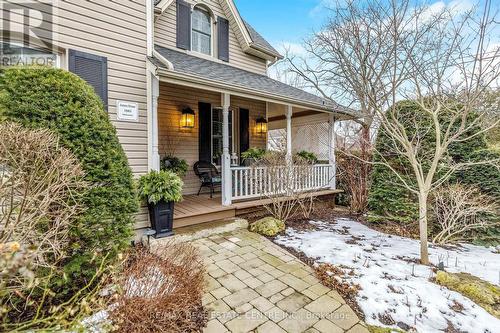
x=194 y=209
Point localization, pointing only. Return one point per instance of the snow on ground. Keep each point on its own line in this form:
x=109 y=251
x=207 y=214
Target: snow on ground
x=391 y=283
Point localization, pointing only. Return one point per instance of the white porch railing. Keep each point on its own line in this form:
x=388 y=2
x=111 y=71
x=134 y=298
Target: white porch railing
x=252 y=182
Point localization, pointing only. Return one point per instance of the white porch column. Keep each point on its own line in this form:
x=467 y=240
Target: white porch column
x=155 y=133
x=331 y=152
x=289 y=111
x=227 y=186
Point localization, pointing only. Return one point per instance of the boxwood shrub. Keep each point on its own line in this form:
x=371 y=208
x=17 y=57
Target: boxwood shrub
x=56 y=99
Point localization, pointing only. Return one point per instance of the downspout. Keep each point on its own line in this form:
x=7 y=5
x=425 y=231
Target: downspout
x=152 y=91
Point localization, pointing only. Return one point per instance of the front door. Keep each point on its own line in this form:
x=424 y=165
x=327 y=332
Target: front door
x=244 y=130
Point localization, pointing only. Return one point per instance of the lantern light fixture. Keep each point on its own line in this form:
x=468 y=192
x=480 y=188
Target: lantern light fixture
x=187 y=118
x=261 y=125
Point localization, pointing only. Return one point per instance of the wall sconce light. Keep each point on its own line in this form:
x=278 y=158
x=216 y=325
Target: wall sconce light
x=187 y=118
x=261 y=125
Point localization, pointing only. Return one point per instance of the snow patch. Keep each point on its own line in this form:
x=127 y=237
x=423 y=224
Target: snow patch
x=393 y=283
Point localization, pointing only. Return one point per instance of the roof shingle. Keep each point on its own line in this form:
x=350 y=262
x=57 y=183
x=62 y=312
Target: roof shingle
x=226 y=74
x=260 y=41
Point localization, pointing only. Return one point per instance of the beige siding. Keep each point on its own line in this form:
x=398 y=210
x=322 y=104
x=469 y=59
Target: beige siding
x=165 y=35
x=116 y=30
x=184 y=143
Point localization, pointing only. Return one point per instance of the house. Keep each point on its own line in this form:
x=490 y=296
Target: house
x=189 y=78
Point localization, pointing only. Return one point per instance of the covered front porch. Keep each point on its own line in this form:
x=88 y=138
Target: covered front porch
x=196 y=209
x=214 y=116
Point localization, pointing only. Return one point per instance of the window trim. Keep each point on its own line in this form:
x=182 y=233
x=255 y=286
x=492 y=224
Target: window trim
x=210 y=18
x=43 y=50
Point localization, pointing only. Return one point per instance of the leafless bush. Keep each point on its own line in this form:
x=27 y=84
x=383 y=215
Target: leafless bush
x=352 y=173
x=459 y=209
x=39 y=186
x=285 y=185
x=161 y=291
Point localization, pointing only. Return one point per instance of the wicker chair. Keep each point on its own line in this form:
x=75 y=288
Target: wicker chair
x=209 y=176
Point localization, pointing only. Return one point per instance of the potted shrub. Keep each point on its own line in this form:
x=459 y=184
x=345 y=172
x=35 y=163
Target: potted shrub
x=252 y=155
x=161 y=189
x=174 y=164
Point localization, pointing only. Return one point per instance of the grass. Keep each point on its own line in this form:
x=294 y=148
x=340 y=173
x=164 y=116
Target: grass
x=481 y=292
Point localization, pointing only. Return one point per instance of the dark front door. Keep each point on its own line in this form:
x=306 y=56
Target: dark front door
x=244 y=130
x=205 y=131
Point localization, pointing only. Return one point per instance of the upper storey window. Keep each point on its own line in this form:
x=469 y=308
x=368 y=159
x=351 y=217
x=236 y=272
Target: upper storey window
x=201 y=34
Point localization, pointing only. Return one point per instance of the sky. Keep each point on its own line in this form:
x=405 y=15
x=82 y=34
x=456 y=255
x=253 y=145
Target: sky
x=288 y=22
x=283 y=21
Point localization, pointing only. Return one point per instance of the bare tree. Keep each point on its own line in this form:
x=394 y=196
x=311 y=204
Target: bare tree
x=352 y=60
x=450 y=68
x=379 y=53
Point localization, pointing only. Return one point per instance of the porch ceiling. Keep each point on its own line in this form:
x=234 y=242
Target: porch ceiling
x=231 y=79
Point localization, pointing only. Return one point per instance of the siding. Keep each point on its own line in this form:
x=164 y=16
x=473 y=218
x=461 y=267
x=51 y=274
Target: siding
x=165 y=35
x=116 y=30
x=184 y=143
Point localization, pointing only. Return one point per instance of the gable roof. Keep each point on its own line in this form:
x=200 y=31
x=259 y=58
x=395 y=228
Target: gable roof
x=250 y=40
x=226 y=75
x=259 y=41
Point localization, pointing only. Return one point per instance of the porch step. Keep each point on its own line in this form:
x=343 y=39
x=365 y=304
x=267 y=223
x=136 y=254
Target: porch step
x=191 y=233
x=203 y=217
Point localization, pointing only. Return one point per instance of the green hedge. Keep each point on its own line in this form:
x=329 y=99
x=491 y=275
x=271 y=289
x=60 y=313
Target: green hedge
x=390 y=201
x=56 y=99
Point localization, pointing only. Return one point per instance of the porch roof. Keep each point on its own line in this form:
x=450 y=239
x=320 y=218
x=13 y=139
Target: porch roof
x=226 y=75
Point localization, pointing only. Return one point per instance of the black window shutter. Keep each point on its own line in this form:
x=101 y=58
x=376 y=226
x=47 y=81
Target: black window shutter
x=93 y=69
x=183 y=25
x=244 y=130
x=223 y=38
x=205 y=131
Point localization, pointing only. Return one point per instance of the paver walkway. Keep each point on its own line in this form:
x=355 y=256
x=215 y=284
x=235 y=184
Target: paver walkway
x=256 y=286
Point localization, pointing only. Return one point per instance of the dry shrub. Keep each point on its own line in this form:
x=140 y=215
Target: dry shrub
x=162 y=291
x=353 y=174
x=40 y=186
x=459 y=209
x=285 y=184
x=40 y=182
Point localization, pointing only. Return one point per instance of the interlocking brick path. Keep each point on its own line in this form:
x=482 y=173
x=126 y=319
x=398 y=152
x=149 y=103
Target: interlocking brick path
x=254 y=285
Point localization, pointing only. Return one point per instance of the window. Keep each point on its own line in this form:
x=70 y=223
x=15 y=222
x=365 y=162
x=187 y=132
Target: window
x=201 y=36
x=14 y=54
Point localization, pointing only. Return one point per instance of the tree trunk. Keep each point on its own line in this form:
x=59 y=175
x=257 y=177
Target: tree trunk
x=422 y=222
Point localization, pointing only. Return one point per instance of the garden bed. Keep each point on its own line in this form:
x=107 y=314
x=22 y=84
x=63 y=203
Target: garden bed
x=395 y=290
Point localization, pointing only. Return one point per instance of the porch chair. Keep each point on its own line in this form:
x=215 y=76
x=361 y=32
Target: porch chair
x=209 y=176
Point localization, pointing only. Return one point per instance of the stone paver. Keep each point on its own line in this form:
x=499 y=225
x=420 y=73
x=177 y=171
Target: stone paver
x=214 y=326
x=270 y=327
x=246 y=322
x=231 y=283
x=293 y=302
x=299 y=322
x=254 y=285
x=323 y=305
x=326 y=326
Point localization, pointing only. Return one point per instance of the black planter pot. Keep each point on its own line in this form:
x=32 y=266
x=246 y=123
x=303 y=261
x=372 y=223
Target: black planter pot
x=161 y=215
